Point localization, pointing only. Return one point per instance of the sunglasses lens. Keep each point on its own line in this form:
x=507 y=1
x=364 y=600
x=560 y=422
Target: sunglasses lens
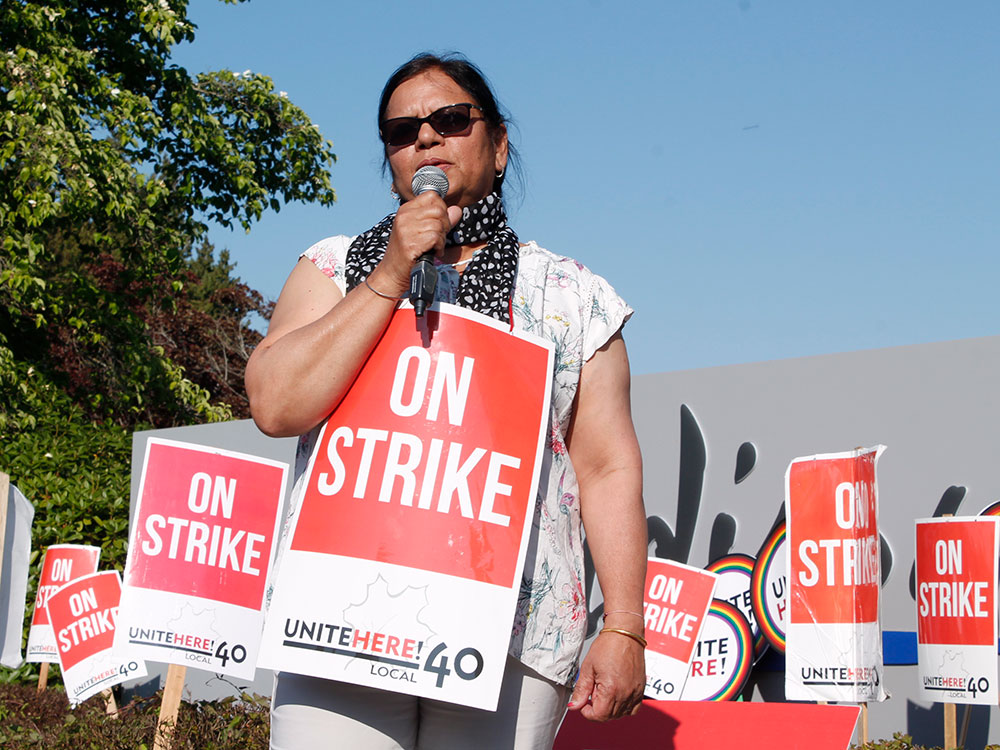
x=450 y=120
x=401 y=132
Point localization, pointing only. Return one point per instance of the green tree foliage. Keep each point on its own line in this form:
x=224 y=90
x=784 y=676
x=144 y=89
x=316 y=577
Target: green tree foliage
x=115 y=313
x=112 y=163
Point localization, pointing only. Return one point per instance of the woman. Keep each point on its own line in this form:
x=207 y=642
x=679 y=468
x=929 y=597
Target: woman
x=330 y=314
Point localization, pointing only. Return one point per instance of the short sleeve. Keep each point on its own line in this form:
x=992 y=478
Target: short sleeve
x=608 y=313
x=330 y=256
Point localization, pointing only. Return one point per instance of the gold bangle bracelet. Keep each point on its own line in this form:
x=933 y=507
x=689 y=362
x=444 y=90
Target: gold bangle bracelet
x=627 y=633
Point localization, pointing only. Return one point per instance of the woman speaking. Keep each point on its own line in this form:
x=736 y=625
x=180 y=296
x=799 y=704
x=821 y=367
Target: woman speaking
x=337 y=302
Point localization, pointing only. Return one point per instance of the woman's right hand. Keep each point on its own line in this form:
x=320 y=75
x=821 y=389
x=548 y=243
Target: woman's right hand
x=421 y=226
x=318 y=338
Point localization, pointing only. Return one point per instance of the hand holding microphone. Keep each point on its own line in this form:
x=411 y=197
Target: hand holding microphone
x=423 y=276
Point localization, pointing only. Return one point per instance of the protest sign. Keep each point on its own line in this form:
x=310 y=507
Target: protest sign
x=956 y=579
x=83 y=615
x=735 y=578
x=769 y=588
x=15 y=543
x=403 y=563
x=675 y=602
x=722 y=657
x=201 y=548
x=62 y=564
x=833 y=645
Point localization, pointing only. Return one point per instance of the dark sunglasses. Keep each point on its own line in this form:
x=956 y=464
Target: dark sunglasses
x=450 y=120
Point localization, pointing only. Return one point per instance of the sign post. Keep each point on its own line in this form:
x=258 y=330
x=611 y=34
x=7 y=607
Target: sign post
x=169 y=707
x=956 y=579
x=200 y=552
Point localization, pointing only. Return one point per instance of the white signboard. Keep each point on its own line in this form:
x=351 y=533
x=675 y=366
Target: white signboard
x=62 y=564
x=956 y=580
x=201 y=548
x=833 y=647
x=83 y=614
x=16 y=549
x=675 y=602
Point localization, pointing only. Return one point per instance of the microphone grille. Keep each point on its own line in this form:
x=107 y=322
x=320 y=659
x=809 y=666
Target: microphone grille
x=430 y=178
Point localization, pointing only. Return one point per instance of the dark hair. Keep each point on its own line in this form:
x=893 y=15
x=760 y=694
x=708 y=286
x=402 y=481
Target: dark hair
x=471 y=79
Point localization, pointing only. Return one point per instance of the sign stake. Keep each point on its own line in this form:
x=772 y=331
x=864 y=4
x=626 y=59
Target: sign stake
x=168 y=707
x=111 y=706
x=950 y=735
x=43 y=677
x=864 y=723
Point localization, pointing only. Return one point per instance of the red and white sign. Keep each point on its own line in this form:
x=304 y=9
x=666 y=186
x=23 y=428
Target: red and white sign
x=956 y=582
x=833 y=644
x=83 y=615
x=203 y=539
x=62 y=564
x=675 y=602
x=402 y=566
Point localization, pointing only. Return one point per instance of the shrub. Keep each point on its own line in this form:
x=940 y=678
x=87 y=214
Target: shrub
x=902 y=741
x=45 y=721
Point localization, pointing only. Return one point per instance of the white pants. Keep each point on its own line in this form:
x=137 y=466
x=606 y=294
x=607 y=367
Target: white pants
x=309 y=712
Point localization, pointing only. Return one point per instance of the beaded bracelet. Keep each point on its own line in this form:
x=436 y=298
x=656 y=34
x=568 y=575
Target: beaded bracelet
x=628 y=634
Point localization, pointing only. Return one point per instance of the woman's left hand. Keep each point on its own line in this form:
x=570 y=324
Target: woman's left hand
x=605 y=453
x=612 y=679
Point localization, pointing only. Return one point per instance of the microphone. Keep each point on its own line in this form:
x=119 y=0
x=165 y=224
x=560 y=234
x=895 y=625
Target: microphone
x=424 y=276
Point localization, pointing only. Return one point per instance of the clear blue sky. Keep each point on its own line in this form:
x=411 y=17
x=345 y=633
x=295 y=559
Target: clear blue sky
x=759 y=180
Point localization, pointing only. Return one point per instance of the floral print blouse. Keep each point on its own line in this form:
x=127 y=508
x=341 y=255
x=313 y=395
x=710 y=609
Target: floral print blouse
x=559 y=299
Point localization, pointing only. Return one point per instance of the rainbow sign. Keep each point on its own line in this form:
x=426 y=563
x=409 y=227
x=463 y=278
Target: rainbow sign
x=735 y=576
x=769 y=587
x=723 y=655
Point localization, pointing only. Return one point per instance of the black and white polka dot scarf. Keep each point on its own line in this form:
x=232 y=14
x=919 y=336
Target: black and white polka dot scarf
x=488 y=280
